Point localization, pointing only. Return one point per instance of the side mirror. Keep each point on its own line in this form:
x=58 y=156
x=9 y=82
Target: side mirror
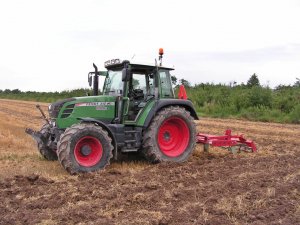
x=126 y=74
x=90 y=79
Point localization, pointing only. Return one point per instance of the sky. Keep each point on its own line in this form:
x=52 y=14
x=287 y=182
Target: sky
x=51 y=45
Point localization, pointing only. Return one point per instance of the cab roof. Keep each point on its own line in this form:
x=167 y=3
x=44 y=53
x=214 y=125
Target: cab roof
x=136 y=66
x=149 y=66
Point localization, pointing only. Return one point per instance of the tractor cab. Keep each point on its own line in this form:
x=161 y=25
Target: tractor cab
x=135 y=86
x=138 y=81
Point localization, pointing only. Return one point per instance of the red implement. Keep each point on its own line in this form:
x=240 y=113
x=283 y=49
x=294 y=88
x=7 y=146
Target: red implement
x=234 y=143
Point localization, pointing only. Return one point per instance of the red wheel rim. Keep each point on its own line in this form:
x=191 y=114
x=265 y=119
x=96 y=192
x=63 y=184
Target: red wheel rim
x=173 y=136
x=88 y=151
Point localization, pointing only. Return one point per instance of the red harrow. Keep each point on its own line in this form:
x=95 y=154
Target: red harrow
x=234 y=143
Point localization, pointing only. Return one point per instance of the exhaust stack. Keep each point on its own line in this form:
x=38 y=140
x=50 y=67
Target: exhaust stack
x=96 y=85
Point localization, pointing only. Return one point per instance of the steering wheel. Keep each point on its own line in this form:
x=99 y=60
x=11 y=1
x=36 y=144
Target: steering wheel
x=137 y=93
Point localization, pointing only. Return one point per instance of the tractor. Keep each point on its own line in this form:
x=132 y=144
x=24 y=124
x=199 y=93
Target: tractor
x=137 y=111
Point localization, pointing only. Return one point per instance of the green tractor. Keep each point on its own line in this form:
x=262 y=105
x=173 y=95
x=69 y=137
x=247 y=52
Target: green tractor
x=137 y=112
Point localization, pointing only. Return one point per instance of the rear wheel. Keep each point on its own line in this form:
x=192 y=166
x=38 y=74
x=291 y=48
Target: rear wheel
x=171 y=136
x=45 y=151
x=84 y=148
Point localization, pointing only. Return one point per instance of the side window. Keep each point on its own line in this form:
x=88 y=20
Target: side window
x=166 y=86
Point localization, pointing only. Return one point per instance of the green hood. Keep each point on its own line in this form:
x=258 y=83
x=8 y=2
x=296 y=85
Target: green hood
x=96 y=107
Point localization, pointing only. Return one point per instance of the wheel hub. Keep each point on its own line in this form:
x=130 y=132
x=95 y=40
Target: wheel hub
x=167 y=136
x=173 y=136
x=88 y=151
x=85 y=150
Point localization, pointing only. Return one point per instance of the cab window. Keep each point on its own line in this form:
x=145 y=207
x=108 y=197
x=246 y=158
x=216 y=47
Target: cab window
x=139 y=82
x=166 y=86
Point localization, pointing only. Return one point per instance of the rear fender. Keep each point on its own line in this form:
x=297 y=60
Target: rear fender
x=162 y=103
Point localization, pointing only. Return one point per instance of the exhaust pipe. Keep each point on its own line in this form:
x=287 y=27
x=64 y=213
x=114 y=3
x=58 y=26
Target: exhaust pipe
x=96 y=85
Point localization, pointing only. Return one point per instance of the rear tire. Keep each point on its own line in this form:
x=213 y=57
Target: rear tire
x=45 y=151
x=171 y=136
x=84 y=148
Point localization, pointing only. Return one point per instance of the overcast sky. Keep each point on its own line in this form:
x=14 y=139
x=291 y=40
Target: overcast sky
x=51 y=45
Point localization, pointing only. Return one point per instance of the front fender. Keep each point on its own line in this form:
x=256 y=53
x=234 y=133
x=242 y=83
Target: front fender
x=99 y=123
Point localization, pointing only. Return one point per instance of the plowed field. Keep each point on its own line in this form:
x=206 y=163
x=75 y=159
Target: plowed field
x=211 y=188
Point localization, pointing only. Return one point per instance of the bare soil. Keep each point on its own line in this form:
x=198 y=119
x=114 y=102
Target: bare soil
x=211 y=188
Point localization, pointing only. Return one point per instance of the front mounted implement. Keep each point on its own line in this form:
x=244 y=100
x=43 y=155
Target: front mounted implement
x=38 y=136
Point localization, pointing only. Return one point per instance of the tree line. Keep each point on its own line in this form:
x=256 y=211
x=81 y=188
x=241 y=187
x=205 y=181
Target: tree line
x=251 y=100
x=43 y=96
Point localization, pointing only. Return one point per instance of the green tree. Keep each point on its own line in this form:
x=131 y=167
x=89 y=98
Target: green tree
x=259 y=96
x=185 y=83
x=297 y=83
x=135 y=83
x=15 y=91
x=253 y=81
x=174 y=80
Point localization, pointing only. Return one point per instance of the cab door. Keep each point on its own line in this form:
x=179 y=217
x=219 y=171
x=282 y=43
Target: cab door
x=141 y=90
x=166 y=90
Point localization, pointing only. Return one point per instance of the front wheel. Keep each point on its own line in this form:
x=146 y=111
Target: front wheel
x=84 y=148
x=171 y=136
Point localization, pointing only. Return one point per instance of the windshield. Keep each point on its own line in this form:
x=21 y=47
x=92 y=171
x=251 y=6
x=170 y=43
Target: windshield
x=113 y=83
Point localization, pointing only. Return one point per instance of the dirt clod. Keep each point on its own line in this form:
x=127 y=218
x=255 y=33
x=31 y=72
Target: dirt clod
x=32 y=178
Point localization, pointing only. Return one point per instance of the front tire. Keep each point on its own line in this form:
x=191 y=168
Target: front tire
x=84 y=148
x=171 y=136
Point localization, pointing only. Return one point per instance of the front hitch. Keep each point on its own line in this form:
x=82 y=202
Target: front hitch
x=36 y=135
x=40 y=139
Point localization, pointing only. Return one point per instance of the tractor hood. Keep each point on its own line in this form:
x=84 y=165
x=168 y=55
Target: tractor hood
x=70 y=111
